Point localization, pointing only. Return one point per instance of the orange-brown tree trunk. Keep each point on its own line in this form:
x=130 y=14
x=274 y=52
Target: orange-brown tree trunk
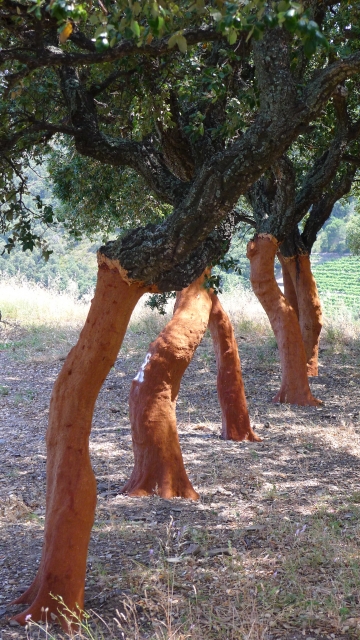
x=230 y=386
x=159 y=466
x=294 y=383
x=289 y=289
x=71 y=486
x=303 y=282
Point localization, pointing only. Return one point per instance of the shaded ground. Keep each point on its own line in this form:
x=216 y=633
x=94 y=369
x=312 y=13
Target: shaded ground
x=270 y=551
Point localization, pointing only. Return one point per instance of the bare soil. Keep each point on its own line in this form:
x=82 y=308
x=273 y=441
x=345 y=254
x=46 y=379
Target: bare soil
x=270 y=551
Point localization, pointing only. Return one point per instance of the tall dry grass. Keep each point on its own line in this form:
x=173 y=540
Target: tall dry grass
x=32 y=305
x=246 y=312
x=43 y=319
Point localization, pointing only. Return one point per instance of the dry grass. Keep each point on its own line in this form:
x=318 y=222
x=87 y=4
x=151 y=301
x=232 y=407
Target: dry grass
x=246 y=312
x=32 y=305
x=341 y=326
x=41 y=321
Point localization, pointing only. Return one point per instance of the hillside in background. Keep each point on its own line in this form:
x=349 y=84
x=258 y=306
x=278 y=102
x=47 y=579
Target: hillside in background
x=72 y=264
x=333 y=237
x=71 y=267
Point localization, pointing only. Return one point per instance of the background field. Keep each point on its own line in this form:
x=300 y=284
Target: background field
x=339 y=282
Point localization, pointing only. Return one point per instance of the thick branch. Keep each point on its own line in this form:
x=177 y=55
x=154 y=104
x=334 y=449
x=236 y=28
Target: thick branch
x=92 y=142
x=155 y=247
x=325 y=167
x=322 y=209
x=353 y=159
x=51 y=56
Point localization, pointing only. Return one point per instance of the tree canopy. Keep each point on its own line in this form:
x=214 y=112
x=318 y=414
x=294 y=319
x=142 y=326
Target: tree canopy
x=198 y=99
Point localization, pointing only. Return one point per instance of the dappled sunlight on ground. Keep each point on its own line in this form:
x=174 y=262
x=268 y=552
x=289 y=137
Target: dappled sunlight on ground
x=270 y=551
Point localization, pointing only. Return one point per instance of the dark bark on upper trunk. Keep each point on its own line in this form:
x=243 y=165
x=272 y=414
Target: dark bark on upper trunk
x=293 y=245
x=278 y=208
x=155 y=249
x=321 y=210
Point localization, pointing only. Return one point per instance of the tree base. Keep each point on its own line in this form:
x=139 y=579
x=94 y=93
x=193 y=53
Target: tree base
x=287 y=397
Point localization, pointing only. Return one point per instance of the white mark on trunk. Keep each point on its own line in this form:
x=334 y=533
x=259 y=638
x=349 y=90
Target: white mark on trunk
x=140 y=375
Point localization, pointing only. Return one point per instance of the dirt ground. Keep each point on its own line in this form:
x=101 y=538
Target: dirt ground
x=270 y=551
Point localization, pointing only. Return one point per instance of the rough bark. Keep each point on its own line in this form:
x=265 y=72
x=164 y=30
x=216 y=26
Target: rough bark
x=162 y=267
x=298 y=269
x=230 y=386
x=71 y=486
x=159 y=466
x=294 y=383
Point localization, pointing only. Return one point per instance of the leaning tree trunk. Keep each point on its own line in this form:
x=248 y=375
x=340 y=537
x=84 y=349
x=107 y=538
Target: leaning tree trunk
x=158 y=466
x=230 y=386
x=289 y=288
x=71 y=485
x=294 y=389
x=298 y=269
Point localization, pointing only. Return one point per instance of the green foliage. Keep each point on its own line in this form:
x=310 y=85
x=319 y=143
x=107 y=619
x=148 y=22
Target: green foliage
x=132 y=97
x=111 y=22
x=353 y=232
x=21 y=209
x=227 y=264
x=158 y=301
x=93 y=198
x=335 y=236
x=70 y=267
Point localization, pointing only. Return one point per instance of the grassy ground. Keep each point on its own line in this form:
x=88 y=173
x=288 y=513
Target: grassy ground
x=270 y=551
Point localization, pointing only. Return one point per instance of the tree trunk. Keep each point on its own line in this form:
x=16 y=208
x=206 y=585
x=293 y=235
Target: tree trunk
x=231 y=393
x=294 y=384
x=310 y=317
x=159 y=466
x=289 y=288
x=71 y=485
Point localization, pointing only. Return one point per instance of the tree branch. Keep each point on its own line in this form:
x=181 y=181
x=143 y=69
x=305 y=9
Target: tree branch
x=52 y=56
x=322 y=209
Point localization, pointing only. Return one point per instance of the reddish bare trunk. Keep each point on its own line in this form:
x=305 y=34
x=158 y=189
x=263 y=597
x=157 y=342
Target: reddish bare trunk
x=230 y=386
x=71 y=486
x=289 y=289
x=294 y=384
x=159 y=466
x=309 y=306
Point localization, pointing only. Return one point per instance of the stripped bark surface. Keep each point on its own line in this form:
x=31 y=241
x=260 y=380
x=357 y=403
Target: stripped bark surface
x=302 y=283
x=159 y=466
x=71 y=486
x=294 y=382
x=230 y=386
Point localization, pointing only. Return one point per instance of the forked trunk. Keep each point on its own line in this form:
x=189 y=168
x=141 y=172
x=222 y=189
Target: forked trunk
x=159 y=466
x=298 y=269
x=230 y=386
x=294 y=383
x=71 y=485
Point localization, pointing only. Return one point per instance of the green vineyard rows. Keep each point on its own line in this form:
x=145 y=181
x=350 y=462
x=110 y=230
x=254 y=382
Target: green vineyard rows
x=338 y=282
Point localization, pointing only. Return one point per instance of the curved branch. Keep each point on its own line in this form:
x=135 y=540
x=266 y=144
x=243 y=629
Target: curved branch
x=325 y=168
x=322 y=209
x=52 y=56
